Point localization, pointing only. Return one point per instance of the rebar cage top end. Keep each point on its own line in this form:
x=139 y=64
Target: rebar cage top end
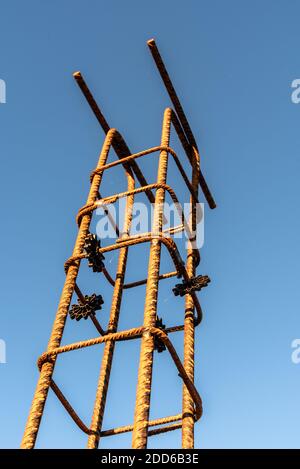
x=153 y=334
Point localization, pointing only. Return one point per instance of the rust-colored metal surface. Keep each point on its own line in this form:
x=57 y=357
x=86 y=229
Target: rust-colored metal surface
x=151 y=334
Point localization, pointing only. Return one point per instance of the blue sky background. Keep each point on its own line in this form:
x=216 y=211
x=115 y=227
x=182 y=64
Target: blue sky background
x=232 y=64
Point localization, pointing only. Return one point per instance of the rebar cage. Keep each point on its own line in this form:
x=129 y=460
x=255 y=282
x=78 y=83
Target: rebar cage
x=152 y=333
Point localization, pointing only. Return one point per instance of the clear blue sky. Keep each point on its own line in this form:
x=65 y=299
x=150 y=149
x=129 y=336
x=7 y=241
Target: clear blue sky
x=232 y=63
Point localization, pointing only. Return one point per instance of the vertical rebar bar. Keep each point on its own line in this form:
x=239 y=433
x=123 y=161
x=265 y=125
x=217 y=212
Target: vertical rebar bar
x=40 y=396
x=189 y=328
x=143 y=394
x=103 y=382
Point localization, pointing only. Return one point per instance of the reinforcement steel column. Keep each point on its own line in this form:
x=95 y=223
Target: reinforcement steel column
x=189 y=328
x=103 y=382
x=38 y=403
x=143 y=394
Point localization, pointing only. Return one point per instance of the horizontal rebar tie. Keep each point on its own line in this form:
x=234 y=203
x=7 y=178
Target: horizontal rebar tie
x=86 y=308
x=191 y=285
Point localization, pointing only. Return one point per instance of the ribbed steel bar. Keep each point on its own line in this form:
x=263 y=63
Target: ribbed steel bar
x=103 y=382
x=46 y=371
x=189 y=326
x=112 y=431
x=149 y=152
x=171 y=90
x=119 y=146
x=190 y=152
x=143 y=394
x=129 y=334
x=179 y=111
x=152 y=423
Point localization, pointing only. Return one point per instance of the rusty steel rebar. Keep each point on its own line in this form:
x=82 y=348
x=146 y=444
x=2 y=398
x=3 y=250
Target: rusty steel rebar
x=189 y=327
x=103 y=382
x=180 y=112
x=143 y=393
x=148 y=333
x=38 y=403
